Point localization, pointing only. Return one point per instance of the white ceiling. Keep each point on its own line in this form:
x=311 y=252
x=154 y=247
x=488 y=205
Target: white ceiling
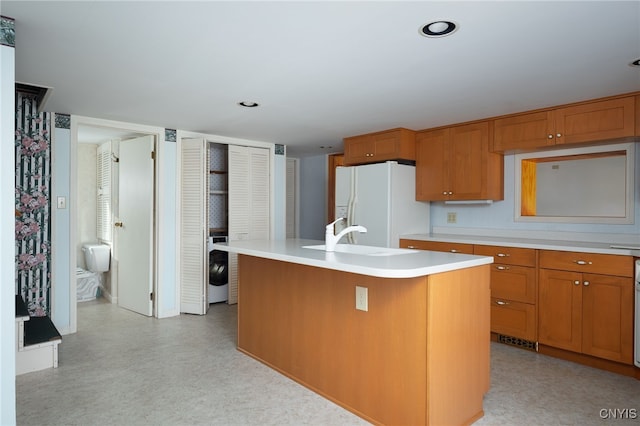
x=320 y=70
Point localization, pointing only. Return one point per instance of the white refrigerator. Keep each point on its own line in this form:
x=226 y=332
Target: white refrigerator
x=382 y=198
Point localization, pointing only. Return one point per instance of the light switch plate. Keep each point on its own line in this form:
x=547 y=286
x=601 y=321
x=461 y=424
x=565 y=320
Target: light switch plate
x=62 y=202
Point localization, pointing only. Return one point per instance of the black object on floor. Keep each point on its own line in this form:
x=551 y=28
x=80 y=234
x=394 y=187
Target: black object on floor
x=36 y=329
x=39 y=330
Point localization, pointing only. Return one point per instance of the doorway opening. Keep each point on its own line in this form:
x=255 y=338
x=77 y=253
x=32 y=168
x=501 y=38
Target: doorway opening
x=107 y=180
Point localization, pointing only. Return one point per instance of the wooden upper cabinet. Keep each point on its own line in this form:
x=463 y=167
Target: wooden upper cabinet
x=395 y=144
x=432 y=164
x=522 y=132
x=586 y=122
x=595 y=121
x=454 y=163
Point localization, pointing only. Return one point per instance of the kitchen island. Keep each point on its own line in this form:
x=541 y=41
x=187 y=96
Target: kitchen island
x=418 y=354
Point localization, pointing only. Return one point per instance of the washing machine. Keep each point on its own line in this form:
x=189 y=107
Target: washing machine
x=218 y=271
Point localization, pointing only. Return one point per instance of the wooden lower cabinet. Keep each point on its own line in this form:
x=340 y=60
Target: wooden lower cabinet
x=408 y=360
x=587 y=313
x=513 y=290
x=437 y=246
x=513 y=282
x=578 y=302
x=514 y=319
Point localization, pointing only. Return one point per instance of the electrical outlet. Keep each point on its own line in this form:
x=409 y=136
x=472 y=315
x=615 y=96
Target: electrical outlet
x=362 y=298
x=452 y=217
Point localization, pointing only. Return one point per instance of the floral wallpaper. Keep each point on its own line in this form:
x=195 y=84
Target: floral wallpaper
x=33 y=181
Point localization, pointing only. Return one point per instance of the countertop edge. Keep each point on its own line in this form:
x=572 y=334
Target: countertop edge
x=577 y=246
x=467 y=262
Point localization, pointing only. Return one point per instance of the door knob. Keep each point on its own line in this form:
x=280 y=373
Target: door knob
x=118 y=224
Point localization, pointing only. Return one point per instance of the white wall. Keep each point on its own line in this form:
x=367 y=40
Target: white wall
x=7 y=238
x=61 y=224
x=168 y=302
x=313 y=196
x=86 y=223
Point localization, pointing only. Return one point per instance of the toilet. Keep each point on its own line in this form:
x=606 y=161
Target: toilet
x=97 y=257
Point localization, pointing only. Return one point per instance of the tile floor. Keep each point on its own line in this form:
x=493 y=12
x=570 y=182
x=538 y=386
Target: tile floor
x=121 y=368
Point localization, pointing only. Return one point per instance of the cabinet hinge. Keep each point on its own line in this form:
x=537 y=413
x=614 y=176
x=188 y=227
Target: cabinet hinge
x=151 y=296
x=153 y=155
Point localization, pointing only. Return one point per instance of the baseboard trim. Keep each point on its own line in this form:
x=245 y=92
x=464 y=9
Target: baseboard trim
x=590 y=361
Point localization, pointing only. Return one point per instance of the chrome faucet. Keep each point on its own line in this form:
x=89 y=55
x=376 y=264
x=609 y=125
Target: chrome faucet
x=330 y=240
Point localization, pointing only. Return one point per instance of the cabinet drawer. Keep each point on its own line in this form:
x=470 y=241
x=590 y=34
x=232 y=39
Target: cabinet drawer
x=508 y=255
x=513 y=319
x=437 y=246
x=606 y=264
x=517 y=283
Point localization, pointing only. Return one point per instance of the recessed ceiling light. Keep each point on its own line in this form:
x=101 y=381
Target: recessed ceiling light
x=636 y=63
x=248 y=104
x=438 y=29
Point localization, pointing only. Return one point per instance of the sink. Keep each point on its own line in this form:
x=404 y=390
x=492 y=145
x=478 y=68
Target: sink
x=363 y=250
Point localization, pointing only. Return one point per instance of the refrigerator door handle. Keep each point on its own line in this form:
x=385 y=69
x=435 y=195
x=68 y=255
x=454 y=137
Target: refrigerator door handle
x=353 y=197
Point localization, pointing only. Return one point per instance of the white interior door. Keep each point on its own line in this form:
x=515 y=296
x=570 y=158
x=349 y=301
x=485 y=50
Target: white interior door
x=134 y=250
x=249 y=202
x=194 y=229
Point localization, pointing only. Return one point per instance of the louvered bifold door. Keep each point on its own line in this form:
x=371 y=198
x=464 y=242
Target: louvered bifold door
x=239 y=209
x=193 y=226
x=260 y=198
x=103 y=219
x=249 y=202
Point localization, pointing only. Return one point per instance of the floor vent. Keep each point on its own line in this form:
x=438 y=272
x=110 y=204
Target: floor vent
x=521 y=343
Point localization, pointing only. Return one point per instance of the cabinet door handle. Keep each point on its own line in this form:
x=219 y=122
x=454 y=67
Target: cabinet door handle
x=502 y=254
x=576 y=282
x=501 y=302
x=583 y=262
x=549 y=136
x=453 y=251
x=411 y=247
x=586 y=283
x=558 y=135
x=450 y=193
x=502 y=268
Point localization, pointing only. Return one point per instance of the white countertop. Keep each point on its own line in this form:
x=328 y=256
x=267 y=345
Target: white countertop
x=413 y=263
x=580 y=246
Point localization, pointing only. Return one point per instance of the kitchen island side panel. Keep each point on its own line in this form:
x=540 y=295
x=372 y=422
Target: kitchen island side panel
x=458 y=357
x=301 y=320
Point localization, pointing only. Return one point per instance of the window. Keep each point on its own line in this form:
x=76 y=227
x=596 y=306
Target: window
x=583 y=185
